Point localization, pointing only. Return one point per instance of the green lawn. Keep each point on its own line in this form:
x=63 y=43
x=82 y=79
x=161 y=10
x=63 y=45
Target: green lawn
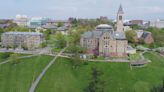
x=18 y=78
x=117 y=77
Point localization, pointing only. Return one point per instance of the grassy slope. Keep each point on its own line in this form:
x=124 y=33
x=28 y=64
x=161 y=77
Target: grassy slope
x=18 y=78
x=117 y=76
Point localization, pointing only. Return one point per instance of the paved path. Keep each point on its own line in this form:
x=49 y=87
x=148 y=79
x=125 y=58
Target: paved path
x=114 y=60
x=36 y=82
x=4 y=62
x=142 y=55
x=19 y=58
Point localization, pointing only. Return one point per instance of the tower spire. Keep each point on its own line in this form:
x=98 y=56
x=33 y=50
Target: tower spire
x=120 y=10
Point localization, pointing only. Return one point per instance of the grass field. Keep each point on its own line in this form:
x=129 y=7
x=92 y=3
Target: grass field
x=117 y=77
x=19 y=77
x=61 y=77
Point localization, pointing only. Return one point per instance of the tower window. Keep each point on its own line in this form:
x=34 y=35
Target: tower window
x=120 y=17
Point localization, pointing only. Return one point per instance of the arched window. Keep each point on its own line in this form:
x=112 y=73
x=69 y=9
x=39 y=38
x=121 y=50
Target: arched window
x=120 y=17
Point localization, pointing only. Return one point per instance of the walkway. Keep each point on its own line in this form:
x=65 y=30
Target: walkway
x=142 y=55
x=114 y=60
x=19 y=58
x=36 y=82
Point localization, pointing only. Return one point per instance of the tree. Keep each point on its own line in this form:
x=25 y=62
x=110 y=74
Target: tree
x=14 y=58
x=60 y=24
x=158 y=88
x=47 y=34
x=43 y=45
x=135 y=27
x=158 y=36
x=131 y=36
x=95 y=85
x=58 y=40
x=76 y=62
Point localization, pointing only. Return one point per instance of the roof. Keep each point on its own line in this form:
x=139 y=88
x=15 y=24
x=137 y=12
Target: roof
x=145 y=34
x=97 y=34
x=63 y=28
x=49 y=27
x=120 y=10
x=104 y=27
x=100 y=29
x=140 y=62
x=4 y=25
x=119 y=35
x=92 y=34
x=130 y=47
x=139 y=33
x=23 y=33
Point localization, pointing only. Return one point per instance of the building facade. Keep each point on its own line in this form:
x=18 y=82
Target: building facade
x=37 y=22
x=104 y=41
x=157 y=24
x=29 y=40
x=21 y=20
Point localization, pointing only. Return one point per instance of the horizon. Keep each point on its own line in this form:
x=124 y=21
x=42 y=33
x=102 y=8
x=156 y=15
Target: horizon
x=61 y=10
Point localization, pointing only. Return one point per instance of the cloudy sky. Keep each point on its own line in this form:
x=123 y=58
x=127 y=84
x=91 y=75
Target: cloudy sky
x=62 y=9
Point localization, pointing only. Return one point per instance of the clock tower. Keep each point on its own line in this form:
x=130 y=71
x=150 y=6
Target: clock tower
x=120 y=24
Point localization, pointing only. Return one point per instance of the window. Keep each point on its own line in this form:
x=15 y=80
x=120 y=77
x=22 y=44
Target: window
x=120 y=17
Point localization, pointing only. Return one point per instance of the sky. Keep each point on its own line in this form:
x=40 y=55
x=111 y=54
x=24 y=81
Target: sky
x=63 y=9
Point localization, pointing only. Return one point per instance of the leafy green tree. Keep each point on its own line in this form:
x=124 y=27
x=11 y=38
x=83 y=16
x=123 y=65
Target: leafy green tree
x=135 y=27
x=47 y=34
x=158 y=36
x=60 y=24
x=43 y=45
x=131 y=36
x=58 y=40
x=159 y=88
x=76 y=61
x=95 y=85
x=14 y=58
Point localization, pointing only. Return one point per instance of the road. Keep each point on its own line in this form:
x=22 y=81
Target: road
x=36 y=82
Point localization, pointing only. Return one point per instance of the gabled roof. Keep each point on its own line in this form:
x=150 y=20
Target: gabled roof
x=4 y=25
x=145 y=34
x=92 y=34
x=23 y=33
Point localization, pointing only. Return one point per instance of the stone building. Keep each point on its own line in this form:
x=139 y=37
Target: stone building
x=29 y=40
x=104 y=41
